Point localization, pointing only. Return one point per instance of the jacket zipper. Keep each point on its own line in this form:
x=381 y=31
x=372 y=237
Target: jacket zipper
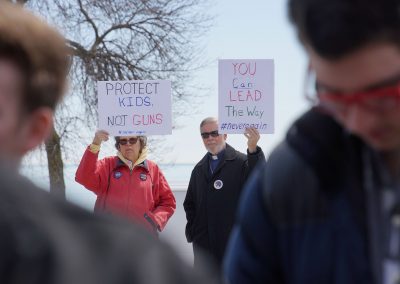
x=129 y=190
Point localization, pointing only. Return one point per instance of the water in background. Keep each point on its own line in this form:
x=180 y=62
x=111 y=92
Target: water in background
x=177 y=175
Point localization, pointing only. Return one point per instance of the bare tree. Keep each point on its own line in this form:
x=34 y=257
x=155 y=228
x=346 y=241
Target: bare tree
x=119 y=40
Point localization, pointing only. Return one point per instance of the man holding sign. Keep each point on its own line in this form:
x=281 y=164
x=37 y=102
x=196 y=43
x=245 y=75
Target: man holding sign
x=214 y=189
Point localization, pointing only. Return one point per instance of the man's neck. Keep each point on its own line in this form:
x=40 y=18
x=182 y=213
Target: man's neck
x=219 y=152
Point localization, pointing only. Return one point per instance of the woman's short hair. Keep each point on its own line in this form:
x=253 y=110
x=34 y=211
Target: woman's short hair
x=142 y=141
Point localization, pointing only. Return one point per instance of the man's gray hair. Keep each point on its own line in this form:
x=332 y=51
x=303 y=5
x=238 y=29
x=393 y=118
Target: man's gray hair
x=208 y=120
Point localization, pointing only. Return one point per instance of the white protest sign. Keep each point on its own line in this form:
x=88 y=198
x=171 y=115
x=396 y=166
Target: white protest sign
x=130 y=108
x=246 y=95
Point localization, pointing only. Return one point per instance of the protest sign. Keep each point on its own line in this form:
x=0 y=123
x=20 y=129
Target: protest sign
x=130 y=108
x=246 y=95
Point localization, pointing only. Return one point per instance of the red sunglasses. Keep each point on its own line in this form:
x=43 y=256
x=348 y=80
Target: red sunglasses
x=378 y=99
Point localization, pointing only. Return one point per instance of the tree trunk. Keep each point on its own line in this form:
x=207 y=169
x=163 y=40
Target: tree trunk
x=55 y=165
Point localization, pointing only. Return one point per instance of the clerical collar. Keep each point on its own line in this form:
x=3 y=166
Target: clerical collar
x=218 y=156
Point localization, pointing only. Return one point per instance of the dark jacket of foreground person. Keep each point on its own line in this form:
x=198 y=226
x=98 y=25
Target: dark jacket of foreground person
x=43 y=240
x=304 y=217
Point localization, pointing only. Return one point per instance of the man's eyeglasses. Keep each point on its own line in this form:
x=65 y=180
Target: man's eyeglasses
x=132 y=141
x=378 y=99
x=205 y=135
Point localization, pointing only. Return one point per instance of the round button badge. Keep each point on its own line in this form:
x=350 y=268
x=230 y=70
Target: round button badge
x=218 y=184
x=143 y=176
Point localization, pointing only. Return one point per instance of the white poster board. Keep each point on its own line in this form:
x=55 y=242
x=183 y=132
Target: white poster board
x=130 y=108
x=246 y=95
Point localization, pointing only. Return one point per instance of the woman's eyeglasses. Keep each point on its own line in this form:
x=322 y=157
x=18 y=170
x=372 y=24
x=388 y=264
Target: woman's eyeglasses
x=378 y=99
x=132 y=141
x=205 y=135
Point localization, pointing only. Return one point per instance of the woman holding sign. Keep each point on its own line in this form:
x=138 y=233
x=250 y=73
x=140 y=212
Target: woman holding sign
x=128 y=184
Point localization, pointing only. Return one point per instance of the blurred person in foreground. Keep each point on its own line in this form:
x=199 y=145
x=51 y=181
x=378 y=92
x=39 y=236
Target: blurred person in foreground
x=326 y=206
x=128 y=184
x=43 y=240
x=214 y=188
